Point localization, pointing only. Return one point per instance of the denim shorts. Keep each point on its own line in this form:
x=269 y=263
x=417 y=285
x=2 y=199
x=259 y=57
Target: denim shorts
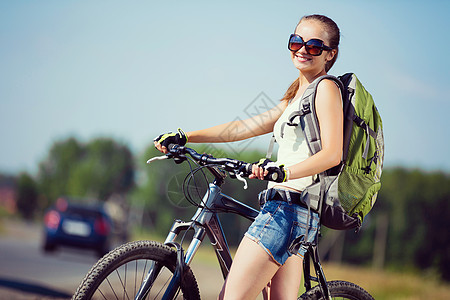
x=278 y=224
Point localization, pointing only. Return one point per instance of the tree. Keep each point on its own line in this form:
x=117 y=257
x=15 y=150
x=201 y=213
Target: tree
x=415 y=206
x=106 y=169
x=27 y=196
x=55 y=171
x=97 y=169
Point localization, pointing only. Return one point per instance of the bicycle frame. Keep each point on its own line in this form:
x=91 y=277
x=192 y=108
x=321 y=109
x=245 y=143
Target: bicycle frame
x=205 y=222
x=313 y=253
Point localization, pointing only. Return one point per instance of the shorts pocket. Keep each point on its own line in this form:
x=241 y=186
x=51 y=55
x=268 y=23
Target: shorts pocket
x=298 y=234
x=262 y=222
x=296 y=237
x=270 y=207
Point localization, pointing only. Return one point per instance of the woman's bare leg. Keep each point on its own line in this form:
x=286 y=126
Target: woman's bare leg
x=286 y=282
x=250 y=272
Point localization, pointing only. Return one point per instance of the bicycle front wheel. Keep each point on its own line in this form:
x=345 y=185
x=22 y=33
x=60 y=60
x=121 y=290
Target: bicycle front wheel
x=120 y=273
x=338 y=290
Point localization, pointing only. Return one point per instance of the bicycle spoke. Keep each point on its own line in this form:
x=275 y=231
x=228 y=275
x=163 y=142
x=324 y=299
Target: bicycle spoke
x=163 y=288
x=112 y=289
x=104 y=297
x=135 y=276
x=124 y=282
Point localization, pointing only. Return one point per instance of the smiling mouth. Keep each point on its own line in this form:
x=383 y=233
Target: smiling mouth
x=302 y=58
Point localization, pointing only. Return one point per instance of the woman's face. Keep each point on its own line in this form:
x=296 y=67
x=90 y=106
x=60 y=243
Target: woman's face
x=310 y=29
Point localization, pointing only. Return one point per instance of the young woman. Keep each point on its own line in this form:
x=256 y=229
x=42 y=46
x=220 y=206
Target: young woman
x=264 y=258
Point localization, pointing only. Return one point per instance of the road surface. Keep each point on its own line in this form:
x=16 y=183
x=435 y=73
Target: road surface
x=27 y=273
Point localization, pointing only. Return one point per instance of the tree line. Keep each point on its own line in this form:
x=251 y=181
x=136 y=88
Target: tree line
x=407 y=228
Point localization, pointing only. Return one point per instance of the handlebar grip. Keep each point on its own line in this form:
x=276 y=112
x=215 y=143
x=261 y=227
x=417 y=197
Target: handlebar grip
x=248 y=169
x=275 y=174
x=171 y=146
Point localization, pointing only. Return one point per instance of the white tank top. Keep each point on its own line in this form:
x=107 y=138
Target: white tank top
x=292 y=148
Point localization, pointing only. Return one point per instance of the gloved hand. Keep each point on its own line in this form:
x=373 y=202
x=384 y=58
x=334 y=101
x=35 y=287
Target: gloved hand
x=164 y=140
x=265 y=169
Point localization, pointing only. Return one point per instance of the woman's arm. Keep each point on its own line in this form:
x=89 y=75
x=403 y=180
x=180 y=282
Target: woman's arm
x=330 y=116
x=239 y=130
x=236 y=130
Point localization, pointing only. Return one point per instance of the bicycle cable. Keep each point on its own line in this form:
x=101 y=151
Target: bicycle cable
x=187 y=183
x=187 y=194
x=186 y=191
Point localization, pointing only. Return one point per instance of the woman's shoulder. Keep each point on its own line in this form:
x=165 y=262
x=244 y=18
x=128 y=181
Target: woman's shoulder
x=328 y=90
x=328 y=84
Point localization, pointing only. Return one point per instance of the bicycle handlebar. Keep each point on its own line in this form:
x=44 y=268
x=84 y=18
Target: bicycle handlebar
x=237 y=167
x=231 y=165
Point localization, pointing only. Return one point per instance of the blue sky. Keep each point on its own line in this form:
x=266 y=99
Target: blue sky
x=133 y=69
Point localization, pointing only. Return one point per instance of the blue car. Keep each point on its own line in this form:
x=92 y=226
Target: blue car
x=77 y=225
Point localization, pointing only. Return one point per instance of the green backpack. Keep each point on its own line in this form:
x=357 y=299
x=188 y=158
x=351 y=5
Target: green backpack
x=344 y=195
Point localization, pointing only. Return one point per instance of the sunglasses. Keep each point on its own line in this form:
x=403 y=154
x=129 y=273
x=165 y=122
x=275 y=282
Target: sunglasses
x=313 y=47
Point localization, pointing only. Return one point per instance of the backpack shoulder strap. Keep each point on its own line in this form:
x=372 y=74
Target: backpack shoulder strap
x=270 y=149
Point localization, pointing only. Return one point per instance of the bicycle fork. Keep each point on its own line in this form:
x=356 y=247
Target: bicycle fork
x=182 y=260
x=147 y=284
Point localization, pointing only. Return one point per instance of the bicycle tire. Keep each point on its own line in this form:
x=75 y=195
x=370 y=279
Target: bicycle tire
x=111 y=277
x=338 y=290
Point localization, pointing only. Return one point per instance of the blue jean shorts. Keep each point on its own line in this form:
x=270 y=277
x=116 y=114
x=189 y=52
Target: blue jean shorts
x=278 y=225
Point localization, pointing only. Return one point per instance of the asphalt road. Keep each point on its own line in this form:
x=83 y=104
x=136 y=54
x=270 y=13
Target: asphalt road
x=27 y=273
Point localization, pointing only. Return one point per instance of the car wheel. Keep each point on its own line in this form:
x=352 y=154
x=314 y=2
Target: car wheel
x=48 y=247
x=102 y=250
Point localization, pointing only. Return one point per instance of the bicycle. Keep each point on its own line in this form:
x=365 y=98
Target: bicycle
x=153 y=270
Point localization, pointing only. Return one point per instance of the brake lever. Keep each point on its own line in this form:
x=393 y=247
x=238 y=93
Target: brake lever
x=240 y=178
x=162 y=157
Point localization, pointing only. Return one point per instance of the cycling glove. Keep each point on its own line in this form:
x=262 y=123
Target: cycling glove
x=178 y=138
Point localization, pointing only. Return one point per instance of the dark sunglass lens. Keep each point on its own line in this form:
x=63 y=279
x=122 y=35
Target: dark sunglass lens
x=314 y=47
x=295 y=42
x=295 y=46
x=314 y=42
x=313 y=50
x=296 y=39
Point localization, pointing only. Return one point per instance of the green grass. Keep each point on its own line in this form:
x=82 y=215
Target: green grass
x=381 y=284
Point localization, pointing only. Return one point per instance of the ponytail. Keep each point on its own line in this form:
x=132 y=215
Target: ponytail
x=291 y=91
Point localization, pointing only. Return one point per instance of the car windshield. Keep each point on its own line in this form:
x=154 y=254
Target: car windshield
x=83 y=211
